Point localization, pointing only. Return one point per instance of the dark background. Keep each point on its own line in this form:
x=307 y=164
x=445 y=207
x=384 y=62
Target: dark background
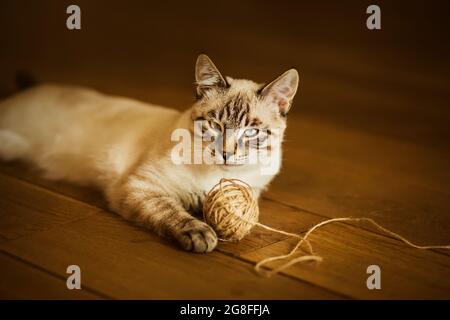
x=145 y=49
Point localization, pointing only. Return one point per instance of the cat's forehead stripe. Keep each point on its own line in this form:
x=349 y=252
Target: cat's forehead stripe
x=235 y=111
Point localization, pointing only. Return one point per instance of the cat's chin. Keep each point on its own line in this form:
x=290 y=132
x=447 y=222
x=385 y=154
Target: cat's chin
x=230 y=166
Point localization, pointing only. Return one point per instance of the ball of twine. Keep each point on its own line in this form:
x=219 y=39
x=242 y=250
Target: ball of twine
x=231 y=209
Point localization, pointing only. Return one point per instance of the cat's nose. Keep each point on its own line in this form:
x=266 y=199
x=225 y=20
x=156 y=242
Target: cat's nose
x=227 y=155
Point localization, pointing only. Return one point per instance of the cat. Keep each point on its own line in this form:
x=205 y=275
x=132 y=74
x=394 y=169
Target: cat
x=123 y=146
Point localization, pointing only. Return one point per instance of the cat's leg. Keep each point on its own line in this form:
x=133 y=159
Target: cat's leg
x=141 y=202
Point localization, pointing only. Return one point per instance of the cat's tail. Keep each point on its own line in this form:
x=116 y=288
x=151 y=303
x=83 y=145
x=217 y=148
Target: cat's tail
x=13 y=145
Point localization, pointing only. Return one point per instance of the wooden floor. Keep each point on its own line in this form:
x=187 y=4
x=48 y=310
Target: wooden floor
x=367 y=137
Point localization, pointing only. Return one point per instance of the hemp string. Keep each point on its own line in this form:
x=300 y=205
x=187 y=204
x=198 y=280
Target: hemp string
x=250 y=216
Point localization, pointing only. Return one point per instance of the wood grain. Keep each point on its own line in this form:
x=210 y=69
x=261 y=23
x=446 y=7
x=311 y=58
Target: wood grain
x=21 y=280
x=338 y=172
x=347 y=251
x=124 y=261
x=21 y=209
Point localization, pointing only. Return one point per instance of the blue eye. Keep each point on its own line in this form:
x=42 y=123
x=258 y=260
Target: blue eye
x=250 y=133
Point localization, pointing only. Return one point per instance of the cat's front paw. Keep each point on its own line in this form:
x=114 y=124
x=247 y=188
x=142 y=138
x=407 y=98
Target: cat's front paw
x=197 y=236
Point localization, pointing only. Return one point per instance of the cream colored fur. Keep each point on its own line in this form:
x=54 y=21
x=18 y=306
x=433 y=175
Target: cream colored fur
x=122 y=146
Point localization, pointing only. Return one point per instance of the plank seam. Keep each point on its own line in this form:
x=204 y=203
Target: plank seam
x=52 y=274
x=294 y=207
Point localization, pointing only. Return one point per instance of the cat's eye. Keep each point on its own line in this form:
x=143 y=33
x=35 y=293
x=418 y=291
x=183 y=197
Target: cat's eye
x=215 y=125
x=251 y=132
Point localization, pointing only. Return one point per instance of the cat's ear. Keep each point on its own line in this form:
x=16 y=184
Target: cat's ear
x=281 y=91
x=207 y=76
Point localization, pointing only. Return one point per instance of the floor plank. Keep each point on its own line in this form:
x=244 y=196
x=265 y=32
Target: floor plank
x=20 y=280
x=22 y=213
x=347 y=251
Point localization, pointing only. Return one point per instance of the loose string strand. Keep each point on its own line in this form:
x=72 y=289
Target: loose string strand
x=240 y=192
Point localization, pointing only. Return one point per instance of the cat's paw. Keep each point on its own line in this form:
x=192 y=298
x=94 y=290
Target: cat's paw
x=197 y=236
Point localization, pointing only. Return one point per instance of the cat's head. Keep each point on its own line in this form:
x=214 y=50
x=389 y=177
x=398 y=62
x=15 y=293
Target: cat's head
x=241 y=115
